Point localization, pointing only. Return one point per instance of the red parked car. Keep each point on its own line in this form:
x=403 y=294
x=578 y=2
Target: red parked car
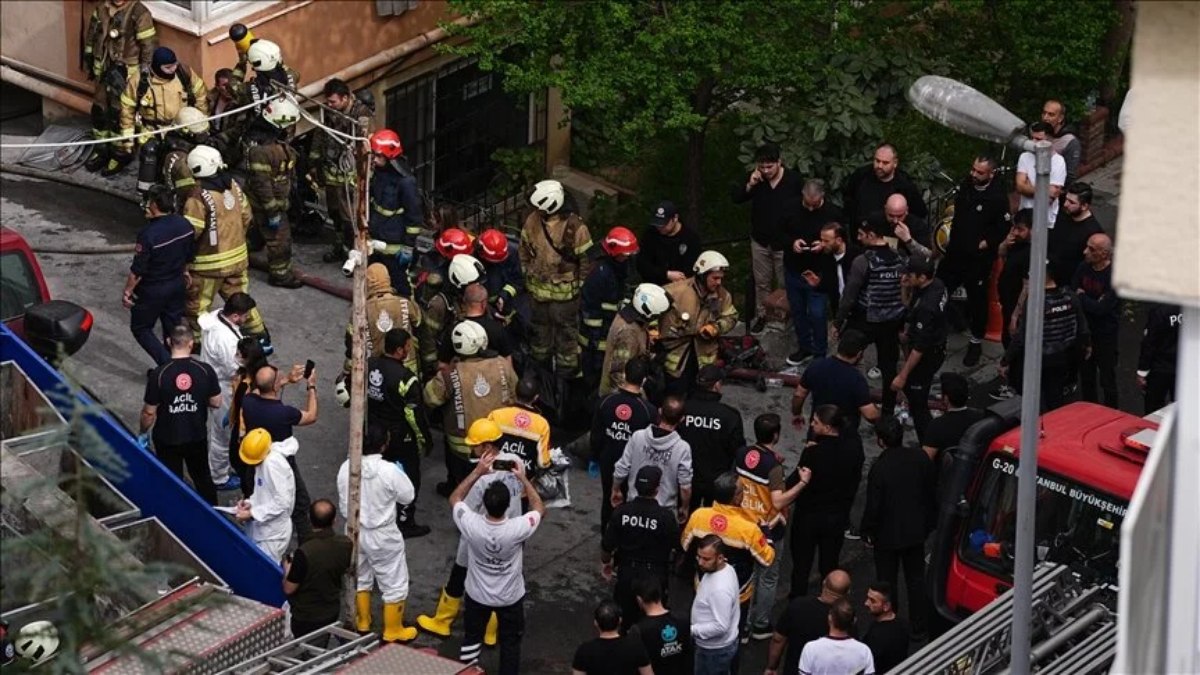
x=25 y=305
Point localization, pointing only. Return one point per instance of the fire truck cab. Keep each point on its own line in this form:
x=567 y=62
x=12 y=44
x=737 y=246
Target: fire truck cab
x=1089 y=460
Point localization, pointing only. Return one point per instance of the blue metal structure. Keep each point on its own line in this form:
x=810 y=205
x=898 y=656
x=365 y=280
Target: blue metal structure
x=157 y=491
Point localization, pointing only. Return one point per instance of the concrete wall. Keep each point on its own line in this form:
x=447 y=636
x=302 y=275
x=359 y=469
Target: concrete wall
x=32 y=31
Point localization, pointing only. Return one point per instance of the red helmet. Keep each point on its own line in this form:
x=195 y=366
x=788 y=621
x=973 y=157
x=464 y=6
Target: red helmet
x=620 y=241
x=453 y=241
x=387 y=143
x=493 y=246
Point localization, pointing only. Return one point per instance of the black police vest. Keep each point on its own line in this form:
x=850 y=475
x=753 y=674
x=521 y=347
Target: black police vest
x=1060 y=328
x=385 y=402
x=642 y=533
x=880 y=300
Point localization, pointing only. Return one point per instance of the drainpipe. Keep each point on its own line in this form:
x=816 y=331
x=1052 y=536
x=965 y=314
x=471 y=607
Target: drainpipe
x=45 y=90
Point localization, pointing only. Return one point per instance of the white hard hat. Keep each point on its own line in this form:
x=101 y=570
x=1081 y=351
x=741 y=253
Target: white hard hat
x=195 y=120
x=264 y=55
x=341 y=391
x=709 y=261
x=547 y=196
x=464 y=269
x=468 y=338
x=650 y=300
x=37 y=642
x=204 y=161
x=281 y=112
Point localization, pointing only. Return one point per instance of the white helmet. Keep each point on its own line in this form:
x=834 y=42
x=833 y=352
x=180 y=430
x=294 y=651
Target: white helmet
x=281 y=112
x=464 y=270
x=650 y=300
x=37 y=642
x=195 y=120
x=205 y=161
x=341 y=390
x=547 y=196
x=264 y=55
x=709 y=261
x=468 y=338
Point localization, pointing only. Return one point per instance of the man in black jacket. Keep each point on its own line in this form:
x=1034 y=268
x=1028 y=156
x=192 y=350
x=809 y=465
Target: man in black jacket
x=899 y=514
x=667 y=248
x=925 y=333
x=803 y=262
x=1156 y=359
x=839 y=254
x=619 y=415
x=870 y=185
x=713 y=430
x=980 y=223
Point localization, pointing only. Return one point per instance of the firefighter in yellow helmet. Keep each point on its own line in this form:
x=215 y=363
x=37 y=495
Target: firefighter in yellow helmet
x=117 y=49
x=701 y=312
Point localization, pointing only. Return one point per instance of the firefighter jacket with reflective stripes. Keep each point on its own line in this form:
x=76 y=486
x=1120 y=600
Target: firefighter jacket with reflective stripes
x=333 y=156
x=385 y=311
x=271 y=172
x=600 y=298
x=525 y=434
x=439 y=317
x=745 y=543
x=259 y=86
x=176 y=173
x=690 y=311
x=470 y=389
x=124 y=36
x=396 y=214
x=220 y=213
x=628 y=338
x=394 y=402
x=504 y=281
x=160 y=101
x=554 y=256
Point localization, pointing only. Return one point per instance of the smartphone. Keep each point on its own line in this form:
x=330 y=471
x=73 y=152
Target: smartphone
x=308 y=368
x=504 y=465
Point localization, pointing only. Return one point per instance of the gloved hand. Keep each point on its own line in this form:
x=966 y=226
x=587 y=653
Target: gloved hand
x=143 y=441
x=275 y=221
x=709 y=331
x=400 y=465
x=404 y=256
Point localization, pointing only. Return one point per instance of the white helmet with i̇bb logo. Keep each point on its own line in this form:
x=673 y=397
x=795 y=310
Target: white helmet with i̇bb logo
x=205 y=161
x=650 y=301
x=548 y=196
x=710 y=261
x=264 y=55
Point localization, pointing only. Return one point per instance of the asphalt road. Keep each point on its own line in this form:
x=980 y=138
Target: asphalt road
x=561 y=561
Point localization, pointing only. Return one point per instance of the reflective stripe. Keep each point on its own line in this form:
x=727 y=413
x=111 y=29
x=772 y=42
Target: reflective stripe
x=145 y=34
x=186 y=181
x=594 y=323
x=413 y=230
x=196 y=223
x=386 y=212
x=609 y=306
x=585 y=341
x=582 y=248
x=553 y=291
x=261 y=168
x=215 y=261
x=508 y=288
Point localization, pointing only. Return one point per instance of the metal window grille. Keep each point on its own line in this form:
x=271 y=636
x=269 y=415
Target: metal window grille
x=394 y=7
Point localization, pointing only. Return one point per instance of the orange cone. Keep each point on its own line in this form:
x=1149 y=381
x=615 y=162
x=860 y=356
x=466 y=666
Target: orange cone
x=995 y=323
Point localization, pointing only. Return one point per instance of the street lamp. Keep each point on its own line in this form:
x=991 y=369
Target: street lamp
x=963 y=109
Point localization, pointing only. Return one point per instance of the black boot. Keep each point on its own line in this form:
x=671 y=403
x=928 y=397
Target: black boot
x=290 y=281
x=98 y=159
x=117 y=162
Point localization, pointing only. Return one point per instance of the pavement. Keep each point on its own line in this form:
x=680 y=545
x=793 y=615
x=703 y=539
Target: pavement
x=561 y=562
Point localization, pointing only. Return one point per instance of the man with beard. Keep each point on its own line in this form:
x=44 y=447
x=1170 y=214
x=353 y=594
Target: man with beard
x=870 y=185
x=1069 y=236
x=1027 y=174
x=1010 y=286
x=803 y=263
x=1064 y=137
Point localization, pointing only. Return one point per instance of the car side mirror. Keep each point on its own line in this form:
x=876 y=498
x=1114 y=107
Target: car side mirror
x=57 y=327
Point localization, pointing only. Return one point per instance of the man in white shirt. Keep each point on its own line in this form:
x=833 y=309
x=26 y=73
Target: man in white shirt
x=220 y=332
x=495 y=549
x=1027 y=173
x=837 y=653
x=715 y=611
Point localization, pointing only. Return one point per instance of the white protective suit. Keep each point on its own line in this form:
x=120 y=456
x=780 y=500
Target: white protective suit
x=474 y=498
x=218 y=348
x=381 y=556
x=273 y=499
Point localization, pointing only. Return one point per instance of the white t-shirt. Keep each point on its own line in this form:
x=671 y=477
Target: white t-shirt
x=1027 y=164
x=474 y=499
x=836 y=656
x=495 y=570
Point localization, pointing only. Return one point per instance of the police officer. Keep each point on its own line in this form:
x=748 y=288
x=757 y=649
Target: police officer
x=640 y=538
x=395 y=409
x=701 y=312
x=619 y=414
x=270 y=166
x=475 y=384
x=442 y=308
x=385 y=310
x=553 y=251
x=331 y=162
x=632 y=333
x=220 y=215
x=156 y=290
x=600 y=298
x=925 y=333
x=504 y=281
x=714 y=431
x=526 y=431
x=119 y=47
x=266 y=58
x=152 y=102
x=397 y=214
x=1157 y=355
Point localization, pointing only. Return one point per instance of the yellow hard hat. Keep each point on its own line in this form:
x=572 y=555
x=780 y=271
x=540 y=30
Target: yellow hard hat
x=255 y=446
x=483 y=431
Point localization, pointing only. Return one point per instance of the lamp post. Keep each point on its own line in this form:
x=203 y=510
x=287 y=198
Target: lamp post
x=963 y=109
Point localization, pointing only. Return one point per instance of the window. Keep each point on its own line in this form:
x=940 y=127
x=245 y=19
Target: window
x=1076 y=525
x=394 y=7
x=201 y=16
x=19 y=288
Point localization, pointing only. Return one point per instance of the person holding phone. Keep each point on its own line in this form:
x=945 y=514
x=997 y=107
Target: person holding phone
x=803 y=264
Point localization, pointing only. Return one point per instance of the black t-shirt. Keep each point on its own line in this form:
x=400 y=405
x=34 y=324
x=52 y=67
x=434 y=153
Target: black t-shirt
x=180 y=388
x=947 y=430
x=1013 y=275
x=610 y=656
x=659 y=254
x=888 y=641
x=1065 y=246
x=667 y=641
x=832 y=380
x=805 y=619
x=270 y=414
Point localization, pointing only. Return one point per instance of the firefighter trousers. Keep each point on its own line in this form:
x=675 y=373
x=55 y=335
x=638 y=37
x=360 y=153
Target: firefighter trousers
x=556 y=335
x=340 y=205
x=279 y=246
x=106 y=102
x=204 y=289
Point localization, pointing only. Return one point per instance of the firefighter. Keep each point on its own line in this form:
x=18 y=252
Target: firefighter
x=631 y=334
x=701 y=312
x=332 y=163
x=118 y=48
x=475 y=384
x=553 y=252
x=396 y=214
x=381 y=555
x=152 y=102
x=220 y=213
x=504 y=281
x=442 y=306
x=386 y=310
x=600 y=298
x=266 y=59
x=268 y=511
x=394 y=405
x=177 y=144
x=526 y=431
x=270 y=166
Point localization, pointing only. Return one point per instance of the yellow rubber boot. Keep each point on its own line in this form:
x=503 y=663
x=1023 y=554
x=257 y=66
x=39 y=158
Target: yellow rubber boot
x=443 y=618
x=492 y=630
x=362 y=615
x=394 y=629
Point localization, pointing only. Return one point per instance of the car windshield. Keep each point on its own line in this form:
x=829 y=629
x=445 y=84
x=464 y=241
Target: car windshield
x=18 y=288
x=1076 y=524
